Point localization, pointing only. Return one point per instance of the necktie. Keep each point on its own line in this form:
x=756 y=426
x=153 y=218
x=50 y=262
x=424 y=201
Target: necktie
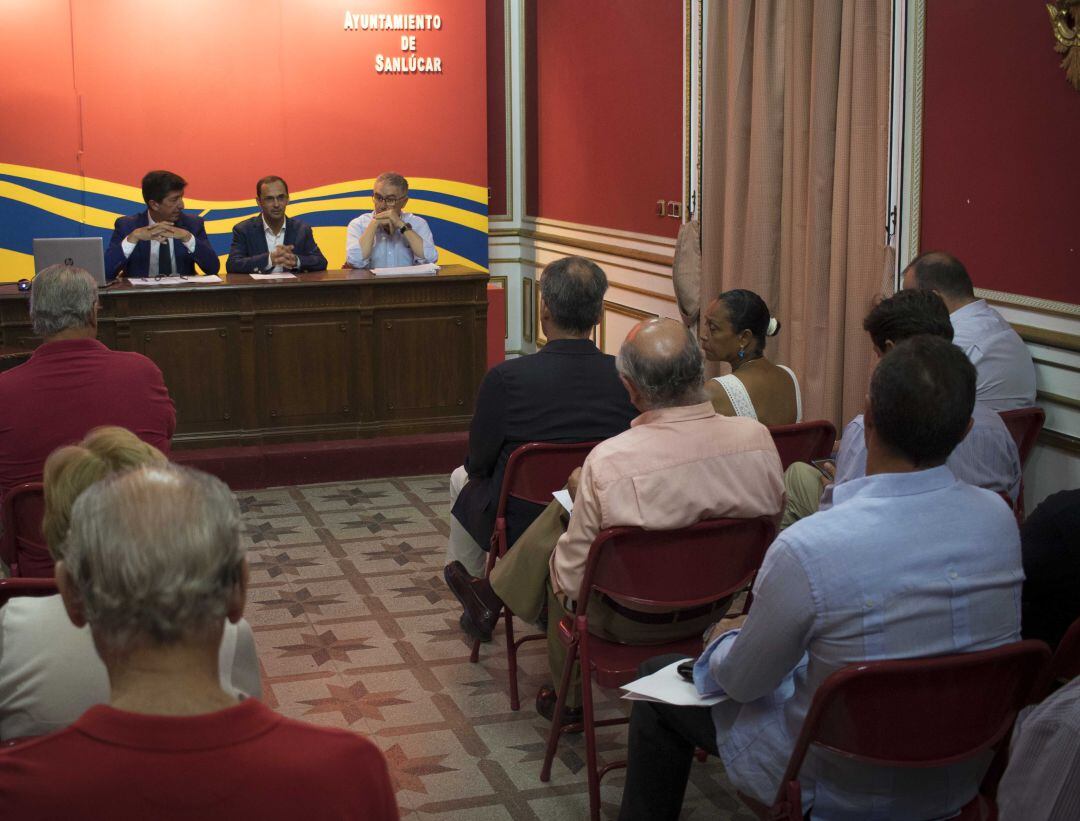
x=165 y=259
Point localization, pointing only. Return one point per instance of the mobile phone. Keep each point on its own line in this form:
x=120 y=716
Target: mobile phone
x=826 y=467
x=686 y=670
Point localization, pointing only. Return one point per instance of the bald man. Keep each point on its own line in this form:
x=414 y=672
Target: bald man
x=679 y=463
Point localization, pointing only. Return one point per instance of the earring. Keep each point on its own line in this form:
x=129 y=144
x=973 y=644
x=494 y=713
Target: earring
x=742 y=353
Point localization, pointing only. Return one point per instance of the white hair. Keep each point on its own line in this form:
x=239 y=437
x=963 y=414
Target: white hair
x=61 y=297
x=154 y=554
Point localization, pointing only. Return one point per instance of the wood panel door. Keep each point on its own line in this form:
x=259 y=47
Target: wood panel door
x=307 y=371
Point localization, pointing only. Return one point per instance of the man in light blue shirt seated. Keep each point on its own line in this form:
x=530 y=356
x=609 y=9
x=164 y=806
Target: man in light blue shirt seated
x=908 y=562
x=389 y=237
x=1006 y=372
x=987 y=457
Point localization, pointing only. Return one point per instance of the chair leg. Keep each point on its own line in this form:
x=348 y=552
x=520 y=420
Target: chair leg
x=511 y=659
x=556 y=719
x=590 y=734
x=474 y=656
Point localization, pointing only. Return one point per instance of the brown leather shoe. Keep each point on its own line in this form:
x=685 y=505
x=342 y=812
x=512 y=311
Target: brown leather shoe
x=482 y=606
x=545 y=706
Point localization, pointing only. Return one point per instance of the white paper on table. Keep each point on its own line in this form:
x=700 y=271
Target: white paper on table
x=206 y=280
x=282 y=275
x=563 y=498
x=668 y=687
x=427 y=269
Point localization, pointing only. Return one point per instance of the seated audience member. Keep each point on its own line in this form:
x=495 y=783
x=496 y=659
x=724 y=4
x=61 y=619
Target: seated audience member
x=568 y=391
x=154 y=564
x=679 y=463
x=73 y=383
x=987 y=457
x=162 y=240
x=736 y=324
x=389 y=237
x=1050 y=540
x=272 y=242
x=49 y=672
x=909 y=562
x=1006 y=372
x=1043 y=777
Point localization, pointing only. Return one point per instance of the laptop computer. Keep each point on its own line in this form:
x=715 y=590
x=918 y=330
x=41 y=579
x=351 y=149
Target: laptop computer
x=82 y=252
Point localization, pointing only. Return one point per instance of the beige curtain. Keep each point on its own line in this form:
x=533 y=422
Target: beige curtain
x=794 y=186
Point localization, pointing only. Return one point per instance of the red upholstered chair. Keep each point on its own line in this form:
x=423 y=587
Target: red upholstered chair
x=918 y=713
x=533 y=472
x=22 y=547
x=803 y=441
x=10 y=588
x=1024 y=424
x=673 y=569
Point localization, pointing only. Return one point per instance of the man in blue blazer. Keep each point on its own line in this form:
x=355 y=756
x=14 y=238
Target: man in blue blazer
x=272 y=242
x=162 y=240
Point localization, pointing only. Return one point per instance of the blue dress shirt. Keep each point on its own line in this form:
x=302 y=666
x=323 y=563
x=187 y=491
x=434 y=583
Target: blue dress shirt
x=903 y=565
x=1006 y=373
x=389 y=250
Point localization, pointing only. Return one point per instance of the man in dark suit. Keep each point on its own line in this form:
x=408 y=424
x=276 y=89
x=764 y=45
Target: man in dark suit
x=568 y=391
x=162 y=240
x=272 y=242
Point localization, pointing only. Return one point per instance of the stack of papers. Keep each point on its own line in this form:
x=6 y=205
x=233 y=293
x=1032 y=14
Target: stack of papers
x=206 y=280
x=668 y=687
x=407 y=270
x=282 y=275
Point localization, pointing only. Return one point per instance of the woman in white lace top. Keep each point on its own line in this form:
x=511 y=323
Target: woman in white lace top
x=736 y=324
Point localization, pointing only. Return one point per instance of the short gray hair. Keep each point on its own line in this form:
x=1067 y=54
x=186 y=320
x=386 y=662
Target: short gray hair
x=394 y=179
x=664 y=382
x=573 y=289
x=62 y=297
x=154 y=554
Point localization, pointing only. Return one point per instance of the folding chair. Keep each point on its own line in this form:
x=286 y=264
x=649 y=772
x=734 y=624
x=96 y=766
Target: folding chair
x=1024 y=424
x=914 y=713
x=12 y=588
x=673 y=570
x=22 y=547
x=533 y=472
x=803 y=441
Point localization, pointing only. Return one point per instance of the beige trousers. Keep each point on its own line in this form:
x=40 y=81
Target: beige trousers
x=461 y=546
x=802 y=484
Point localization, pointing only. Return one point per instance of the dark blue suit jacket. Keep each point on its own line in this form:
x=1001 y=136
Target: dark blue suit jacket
x=248 y=252
x=138 y=264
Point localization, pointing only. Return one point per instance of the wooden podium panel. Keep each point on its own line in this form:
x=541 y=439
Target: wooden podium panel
x=329 y=355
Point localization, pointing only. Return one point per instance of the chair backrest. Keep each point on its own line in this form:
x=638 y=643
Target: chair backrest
x=803 y=441
x=922 y=712
x=11 y=588
x=536 y=469
x=22 y=546
x=677 y=569
x=1024 y=424
x=1066 y=662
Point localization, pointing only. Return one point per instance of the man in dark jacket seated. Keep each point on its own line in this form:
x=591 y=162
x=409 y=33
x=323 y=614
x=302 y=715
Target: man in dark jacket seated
x=568 y=391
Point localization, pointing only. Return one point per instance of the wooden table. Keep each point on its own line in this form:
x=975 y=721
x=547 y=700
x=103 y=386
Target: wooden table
x=329 y=355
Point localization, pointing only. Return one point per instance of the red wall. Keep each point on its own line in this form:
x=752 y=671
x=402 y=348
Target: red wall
x=1001 y=133
x=604 y=111
x=242 y=89
x=496 y=106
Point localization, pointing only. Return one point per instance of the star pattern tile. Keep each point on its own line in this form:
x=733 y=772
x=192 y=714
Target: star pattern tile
x=297 y=602
x=432 y=588
x=408 y=772
x=322 y=647
x=404 y=553
x=267 y=532
x=354 y=702
x=279 y=564
x=353 y=496
x=377 y=523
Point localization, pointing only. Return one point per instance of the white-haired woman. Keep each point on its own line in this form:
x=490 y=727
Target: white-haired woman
x=736 y=325
x=153 y=563
x=49 y=672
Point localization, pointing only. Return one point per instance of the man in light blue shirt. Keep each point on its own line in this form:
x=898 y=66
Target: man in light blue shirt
x=1006 y=372
x=389 y=237
x=987 y=457
x=909 y=562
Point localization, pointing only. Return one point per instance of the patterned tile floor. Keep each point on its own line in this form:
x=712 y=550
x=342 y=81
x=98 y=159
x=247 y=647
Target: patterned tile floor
x=355 y=628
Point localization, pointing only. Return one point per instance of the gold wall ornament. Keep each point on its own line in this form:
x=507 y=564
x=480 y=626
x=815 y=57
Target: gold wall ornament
x=1065 y=24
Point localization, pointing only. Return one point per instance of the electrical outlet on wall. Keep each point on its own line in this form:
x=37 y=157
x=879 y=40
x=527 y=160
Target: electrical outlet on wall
x=674 y=209
x=661 y=205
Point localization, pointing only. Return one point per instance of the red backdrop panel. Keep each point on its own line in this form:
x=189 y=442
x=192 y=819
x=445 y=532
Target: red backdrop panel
x=227 y=92
x=605 y=116
x=1000 y=131
x=496 y=106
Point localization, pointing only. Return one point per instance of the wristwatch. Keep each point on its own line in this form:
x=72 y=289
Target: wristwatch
x=405 y=227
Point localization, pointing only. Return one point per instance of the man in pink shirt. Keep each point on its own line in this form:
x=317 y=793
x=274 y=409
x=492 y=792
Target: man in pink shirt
x=73 y=384
x=679 y=463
